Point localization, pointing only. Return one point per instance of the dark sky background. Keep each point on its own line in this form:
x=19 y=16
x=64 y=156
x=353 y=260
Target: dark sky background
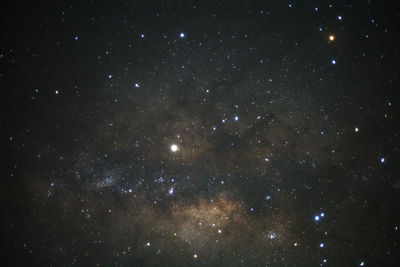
x=200 y=133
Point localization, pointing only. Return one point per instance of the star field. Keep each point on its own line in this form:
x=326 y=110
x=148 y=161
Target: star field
x=200 y=133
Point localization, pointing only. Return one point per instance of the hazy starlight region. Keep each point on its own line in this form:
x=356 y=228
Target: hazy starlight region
x=200 y=133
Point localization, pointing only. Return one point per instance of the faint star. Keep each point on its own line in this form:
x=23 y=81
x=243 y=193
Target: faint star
x=272 y=236
x=171 y=191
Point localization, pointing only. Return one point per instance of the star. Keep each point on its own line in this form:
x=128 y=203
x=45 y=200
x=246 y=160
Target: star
x=171 y=191
x=174 y=148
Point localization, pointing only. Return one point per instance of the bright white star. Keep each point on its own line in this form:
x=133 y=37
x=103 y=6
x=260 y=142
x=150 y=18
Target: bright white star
x=174 y=148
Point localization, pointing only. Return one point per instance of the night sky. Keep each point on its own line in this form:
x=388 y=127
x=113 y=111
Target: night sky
x=200 y=133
